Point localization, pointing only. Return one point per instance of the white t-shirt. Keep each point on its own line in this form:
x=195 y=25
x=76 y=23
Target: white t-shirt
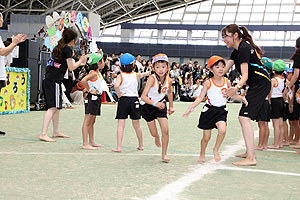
x=2 y=63
x=197 y=92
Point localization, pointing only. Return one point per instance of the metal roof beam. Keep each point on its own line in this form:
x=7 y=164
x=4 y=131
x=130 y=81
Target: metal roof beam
x=101 y=6
x=56 y=7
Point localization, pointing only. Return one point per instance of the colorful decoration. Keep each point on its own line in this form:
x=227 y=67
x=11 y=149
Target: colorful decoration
x=67 y=19
x=14 y=98
x=89 y=33
x=56 y=23
x=79 y=19
x=73 y=18
x=85 y=24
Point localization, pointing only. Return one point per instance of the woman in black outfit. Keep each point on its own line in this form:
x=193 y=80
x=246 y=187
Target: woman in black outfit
x=247 y=60
x=60 y=61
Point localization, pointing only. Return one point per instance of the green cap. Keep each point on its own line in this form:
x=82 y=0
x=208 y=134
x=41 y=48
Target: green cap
x=94 y=58
x=279 y=66
x=267 y=62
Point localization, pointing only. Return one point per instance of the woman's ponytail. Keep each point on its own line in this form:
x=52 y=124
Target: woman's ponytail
x=246 y=36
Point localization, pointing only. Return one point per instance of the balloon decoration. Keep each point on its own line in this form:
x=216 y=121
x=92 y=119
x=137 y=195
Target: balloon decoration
x=56 y=23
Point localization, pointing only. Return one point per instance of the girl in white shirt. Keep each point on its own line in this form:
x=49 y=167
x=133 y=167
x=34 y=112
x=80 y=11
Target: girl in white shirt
x=157 y=87
x=214 y=112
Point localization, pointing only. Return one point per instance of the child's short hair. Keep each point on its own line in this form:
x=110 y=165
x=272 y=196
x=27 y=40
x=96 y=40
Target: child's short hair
x=127 y=68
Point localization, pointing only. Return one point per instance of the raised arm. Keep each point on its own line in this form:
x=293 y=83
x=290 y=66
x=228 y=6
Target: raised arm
x=15 y=41
x=141 y=75
x=73 y=65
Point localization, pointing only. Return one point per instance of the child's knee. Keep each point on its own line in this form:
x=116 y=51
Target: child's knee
x=222 y=132
x=206 y=139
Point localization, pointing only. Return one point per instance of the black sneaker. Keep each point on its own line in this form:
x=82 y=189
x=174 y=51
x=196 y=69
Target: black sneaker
x=2 y=133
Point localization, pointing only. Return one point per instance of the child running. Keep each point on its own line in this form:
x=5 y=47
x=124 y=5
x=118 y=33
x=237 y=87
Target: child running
x=126 y=87
x=277 y=103
x=214 y=112
x=154 y=106
x=92 y=82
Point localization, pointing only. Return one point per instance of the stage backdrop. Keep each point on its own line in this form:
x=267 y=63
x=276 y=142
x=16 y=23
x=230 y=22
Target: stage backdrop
x=14 y=98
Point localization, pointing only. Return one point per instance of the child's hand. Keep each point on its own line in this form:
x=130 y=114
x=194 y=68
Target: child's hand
x=186 y=113
x=160 y=105
x=171 y=110
x=244 y=101
x=83 y=59
x=231 y=91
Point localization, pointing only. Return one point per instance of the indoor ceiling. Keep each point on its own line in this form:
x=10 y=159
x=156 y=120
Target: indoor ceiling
x=112 y=12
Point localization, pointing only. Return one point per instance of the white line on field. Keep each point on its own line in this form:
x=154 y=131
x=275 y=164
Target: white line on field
x=112 y=153
x=259 y=170
x=170 y=191
x=280 y=150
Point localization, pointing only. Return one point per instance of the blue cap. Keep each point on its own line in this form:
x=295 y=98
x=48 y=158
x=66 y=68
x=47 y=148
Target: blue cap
x=127 y=59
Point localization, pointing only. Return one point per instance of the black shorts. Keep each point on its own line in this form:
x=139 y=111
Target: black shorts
x=92 y=104
x=256 y=96
x=286 y=112
x=294 y=115
x=150 y=113
x=53 y=94
x=2 y=84
x=128 y=106
x=210 y=115
x=277 y=108
x=266 y=115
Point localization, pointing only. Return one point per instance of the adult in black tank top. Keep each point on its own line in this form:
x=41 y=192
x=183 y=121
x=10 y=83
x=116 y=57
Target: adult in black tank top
x=247 y=61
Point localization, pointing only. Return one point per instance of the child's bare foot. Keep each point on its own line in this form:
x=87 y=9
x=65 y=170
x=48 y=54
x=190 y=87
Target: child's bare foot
x=89 y=147
x=293 y=142
x=245 y=162
x=140 y=148
x=260 y=148
x=274 y=147
x=45 y=138
x=295 y=147
x=201 y=159
x=117 y=150
x=96 y=145
x=217 y=156
x=265 y=147
x=61 y=135
x=297 y=152
x=165 y=159
x=285 y=143
x=157 y=141
x=242 y=155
